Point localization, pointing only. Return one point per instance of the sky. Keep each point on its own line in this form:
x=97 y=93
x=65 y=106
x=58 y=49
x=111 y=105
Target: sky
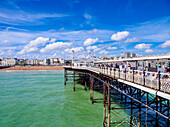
x=38 y=29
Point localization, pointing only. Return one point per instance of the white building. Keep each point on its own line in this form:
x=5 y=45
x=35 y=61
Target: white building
x=46 y=62
x=8 y=61
x=127 y=55
x=34 y=62
x=56 y=61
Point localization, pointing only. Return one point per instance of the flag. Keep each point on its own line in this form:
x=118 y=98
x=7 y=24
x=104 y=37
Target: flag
x=73 y=51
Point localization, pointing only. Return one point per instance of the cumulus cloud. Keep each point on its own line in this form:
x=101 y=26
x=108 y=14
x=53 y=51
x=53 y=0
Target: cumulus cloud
x=5 y=42
x=120 y=35
x=103 y=52
x=7 y=54
x=149 y=51
x=112 y=47
x=129 y=40
x=143 y=46
x=77 y=49
x=166 y=44
x=87 y=16
x=97 y=49
x=33 y=45
x=52 y=40
x=94 y=30
x=2 y=52
x=91 y=47
x=90 y=41
x=54 y=46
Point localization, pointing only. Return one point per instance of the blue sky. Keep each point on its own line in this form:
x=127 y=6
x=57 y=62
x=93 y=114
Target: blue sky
x=53 y=28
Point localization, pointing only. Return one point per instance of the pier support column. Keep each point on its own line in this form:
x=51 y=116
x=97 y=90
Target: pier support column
x=156 y=110
x=91 y=88
x=146 y=119
x=73 y=80
x=125 y=92
x=139 y=94
x=131 y=109
x=108 y=104
x=104 y=103
x=168 y=114
x=65 y=76
x=85 y=83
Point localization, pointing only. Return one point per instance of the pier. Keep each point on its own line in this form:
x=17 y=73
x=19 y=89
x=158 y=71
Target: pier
x=146 y=95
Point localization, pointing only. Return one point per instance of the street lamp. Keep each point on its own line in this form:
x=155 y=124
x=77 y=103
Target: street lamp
x=73 y=58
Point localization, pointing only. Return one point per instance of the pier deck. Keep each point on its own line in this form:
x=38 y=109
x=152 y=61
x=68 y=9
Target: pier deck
x=132 y=84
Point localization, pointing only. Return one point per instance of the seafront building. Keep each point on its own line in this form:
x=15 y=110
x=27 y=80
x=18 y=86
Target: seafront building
x=8 y=61
x=127 y=55
x=35 y=62
x=22 y=62
x=32 y=62
x=54 y=62
x=133 y=54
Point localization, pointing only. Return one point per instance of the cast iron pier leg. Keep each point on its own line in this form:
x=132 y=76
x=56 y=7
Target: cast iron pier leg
x=131 y=109
x=104 y=103
x=168 y=113
x=91 y=89
x=65 y=76
x=108 y=101
x=156 y=110
x=139 y=109
x=73 y=80
x=85 y=83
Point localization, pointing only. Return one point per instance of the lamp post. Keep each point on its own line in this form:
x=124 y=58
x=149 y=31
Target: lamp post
x=73 y=58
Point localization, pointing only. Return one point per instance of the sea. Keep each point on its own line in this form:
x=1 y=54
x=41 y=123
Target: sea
x=40 y=99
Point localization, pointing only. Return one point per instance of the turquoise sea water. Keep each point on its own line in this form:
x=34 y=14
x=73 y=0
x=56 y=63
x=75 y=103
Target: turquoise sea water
x=39 y=99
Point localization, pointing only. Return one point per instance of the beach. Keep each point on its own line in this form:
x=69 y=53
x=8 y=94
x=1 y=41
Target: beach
x=34 y=68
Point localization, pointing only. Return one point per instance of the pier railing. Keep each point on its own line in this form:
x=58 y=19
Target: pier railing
x=155 y=80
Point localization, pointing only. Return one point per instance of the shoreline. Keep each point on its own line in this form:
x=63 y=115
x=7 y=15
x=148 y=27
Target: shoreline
x=34 y=68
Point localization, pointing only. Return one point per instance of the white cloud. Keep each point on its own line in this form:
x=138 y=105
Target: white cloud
x=103 y=52
x=96 y=50
x=52 y=40
x=143 y=46
x=7 y=54
x=87 y=16
x=40 y=41
x=33 y=45
x=15 y=17
x=54 y=46
x=112 y=47
x=156 y=30
x=2 y=52
x=91 y=47
x=61 y=28
x=129 y=40
x=5 y=42
x=18 y=38
x=149 y=51
x=120 y=35
x=94 y=30
x=166 y=44
x=90 y=41
x=77 y=49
